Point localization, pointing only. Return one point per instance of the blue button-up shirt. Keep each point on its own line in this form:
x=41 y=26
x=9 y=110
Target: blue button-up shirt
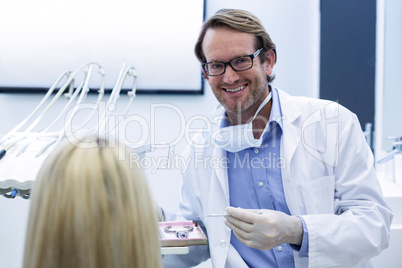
x=255 y=182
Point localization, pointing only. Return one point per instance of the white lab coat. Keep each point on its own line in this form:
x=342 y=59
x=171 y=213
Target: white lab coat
x=328 y=179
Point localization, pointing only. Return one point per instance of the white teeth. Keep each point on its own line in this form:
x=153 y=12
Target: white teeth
x=235 y=89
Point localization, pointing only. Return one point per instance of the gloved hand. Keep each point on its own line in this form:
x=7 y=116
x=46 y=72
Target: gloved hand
x=263 y=228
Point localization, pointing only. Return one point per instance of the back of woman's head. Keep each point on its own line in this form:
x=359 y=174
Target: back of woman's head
x=91 y=208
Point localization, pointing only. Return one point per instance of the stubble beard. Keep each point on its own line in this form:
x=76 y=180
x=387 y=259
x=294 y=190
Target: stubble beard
x=240 y=108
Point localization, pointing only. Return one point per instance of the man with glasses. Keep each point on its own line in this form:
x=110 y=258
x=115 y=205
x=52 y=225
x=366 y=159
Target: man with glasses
x=293 y=176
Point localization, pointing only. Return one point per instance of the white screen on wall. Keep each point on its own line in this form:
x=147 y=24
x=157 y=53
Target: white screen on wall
x=39 y=40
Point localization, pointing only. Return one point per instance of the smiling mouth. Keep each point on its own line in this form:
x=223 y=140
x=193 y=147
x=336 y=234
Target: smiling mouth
x=236 y=89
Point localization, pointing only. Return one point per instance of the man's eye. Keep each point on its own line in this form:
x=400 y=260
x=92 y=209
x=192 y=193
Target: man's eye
x=216 y=65
x=241 y=60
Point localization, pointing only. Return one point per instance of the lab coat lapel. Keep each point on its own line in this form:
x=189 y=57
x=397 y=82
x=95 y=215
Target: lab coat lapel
x=290 y=141
x=289 y=144
x=222 y=174
x=219 y=234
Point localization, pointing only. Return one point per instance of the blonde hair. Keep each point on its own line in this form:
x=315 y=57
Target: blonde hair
x=90 y=209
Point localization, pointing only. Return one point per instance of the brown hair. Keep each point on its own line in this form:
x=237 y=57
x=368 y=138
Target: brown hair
x=242 y=21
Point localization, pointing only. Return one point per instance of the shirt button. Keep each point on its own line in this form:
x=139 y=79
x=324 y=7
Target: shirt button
x=256 y=151
x=280 y=248
x=223 y=243
x=260 y=184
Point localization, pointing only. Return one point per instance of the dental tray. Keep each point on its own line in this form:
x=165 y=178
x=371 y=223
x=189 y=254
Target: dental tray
x=181 y=233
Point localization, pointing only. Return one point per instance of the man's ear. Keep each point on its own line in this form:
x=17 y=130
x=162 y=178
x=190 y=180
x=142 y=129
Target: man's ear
x=269 y=61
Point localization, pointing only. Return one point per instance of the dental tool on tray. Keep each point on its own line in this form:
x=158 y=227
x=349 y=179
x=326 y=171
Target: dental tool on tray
x=212 y=215
x=219 y=215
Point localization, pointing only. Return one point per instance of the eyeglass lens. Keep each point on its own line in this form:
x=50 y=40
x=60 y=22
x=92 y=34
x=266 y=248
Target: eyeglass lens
x=238 y=64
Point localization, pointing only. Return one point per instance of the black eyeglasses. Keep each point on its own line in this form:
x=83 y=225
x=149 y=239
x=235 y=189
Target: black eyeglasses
x=216 y=68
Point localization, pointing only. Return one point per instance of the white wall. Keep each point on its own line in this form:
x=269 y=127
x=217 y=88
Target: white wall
x=293 y=26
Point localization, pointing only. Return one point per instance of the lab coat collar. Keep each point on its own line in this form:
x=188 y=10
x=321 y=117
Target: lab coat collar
x=291 y=131
x=290 y=108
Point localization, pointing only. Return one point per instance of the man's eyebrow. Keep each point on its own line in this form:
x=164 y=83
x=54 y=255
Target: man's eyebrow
x=241 y=55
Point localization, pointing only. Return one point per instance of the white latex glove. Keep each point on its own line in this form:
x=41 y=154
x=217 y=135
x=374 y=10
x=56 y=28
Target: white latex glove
x=263 y=228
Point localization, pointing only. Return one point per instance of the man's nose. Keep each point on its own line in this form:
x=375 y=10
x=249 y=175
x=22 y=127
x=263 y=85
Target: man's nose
x=230 y=76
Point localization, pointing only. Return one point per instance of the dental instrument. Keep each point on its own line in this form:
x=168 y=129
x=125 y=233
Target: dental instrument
x=212 y=215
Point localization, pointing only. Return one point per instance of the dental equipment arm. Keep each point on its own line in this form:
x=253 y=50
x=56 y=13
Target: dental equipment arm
x=40 y=117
